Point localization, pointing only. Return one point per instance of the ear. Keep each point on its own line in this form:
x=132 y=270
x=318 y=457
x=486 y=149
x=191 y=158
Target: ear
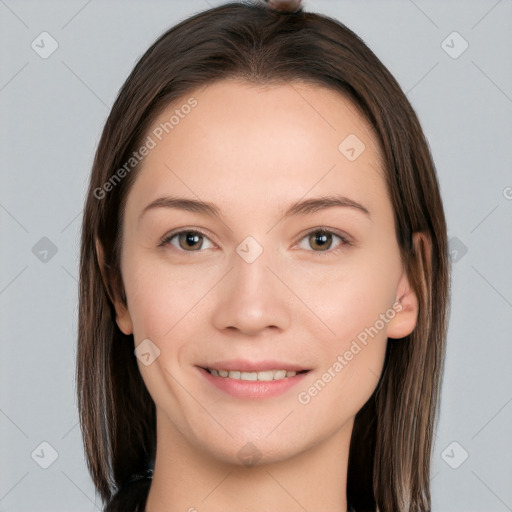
x=407 y=304
x=123 y=318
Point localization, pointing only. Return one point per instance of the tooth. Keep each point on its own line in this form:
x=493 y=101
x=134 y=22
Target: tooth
x=266 y=375
x=248 y=376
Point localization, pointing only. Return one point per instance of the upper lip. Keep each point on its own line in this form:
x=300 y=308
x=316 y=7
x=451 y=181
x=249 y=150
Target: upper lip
x=253 y=366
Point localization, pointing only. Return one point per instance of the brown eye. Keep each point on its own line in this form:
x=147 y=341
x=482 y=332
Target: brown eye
x=321 y=240
x=189 y=241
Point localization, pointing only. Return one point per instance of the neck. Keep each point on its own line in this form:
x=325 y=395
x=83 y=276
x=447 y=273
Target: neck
x=189 y=478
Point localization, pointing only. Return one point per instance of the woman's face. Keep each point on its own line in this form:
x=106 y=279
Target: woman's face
x=252 y=282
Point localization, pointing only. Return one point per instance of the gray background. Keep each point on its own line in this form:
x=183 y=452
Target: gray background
x=52 y=113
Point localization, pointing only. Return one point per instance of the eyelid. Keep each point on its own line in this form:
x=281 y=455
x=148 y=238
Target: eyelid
x=167 y=237
x=345 y=239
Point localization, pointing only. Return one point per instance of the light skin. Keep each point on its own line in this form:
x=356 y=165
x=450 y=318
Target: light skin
x=252 y=151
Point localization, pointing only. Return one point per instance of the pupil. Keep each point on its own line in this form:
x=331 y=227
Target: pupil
x=191 y=238
x=321 y=239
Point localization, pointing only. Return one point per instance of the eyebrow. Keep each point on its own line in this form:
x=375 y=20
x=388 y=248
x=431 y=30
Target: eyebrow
x=301 y=207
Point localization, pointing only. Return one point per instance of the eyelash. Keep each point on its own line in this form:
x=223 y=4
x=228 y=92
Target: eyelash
x=344 y=242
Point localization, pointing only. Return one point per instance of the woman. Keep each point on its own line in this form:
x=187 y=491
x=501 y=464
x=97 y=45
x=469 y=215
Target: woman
x=262 y=244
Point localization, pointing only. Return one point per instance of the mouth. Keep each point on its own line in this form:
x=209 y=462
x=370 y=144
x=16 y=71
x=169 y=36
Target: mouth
x=262 y=376
x=244 y=380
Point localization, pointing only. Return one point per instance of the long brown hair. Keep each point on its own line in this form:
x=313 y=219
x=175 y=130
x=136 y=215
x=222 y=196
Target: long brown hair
x=389 y=462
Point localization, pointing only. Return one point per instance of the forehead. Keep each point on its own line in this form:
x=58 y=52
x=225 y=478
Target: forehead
x=266 y=142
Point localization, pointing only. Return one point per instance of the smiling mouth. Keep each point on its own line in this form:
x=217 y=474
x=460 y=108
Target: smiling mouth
x=265 y=376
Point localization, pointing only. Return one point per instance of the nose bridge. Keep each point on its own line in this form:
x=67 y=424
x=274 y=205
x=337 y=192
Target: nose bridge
x=251 y=298
x=251 y=273
x=253 y=282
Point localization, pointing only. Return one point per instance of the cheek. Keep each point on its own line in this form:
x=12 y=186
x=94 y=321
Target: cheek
x=355 y=302
x=348 y=297
x=159 y=296
x=351 y=359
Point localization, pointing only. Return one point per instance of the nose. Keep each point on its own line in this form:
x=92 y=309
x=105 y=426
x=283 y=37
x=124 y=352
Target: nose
x=251 y=299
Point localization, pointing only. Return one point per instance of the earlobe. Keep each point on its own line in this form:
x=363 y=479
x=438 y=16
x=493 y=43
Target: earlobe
x=407 y=303
x=123 y=318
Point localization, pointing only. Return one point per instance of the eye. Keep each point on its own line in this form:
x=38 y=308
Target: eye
x=321 y=240
x=187 y=240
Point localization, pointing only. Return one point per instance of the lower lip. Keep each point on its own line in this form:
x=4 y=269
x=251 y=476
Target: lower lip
x=252 y=388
